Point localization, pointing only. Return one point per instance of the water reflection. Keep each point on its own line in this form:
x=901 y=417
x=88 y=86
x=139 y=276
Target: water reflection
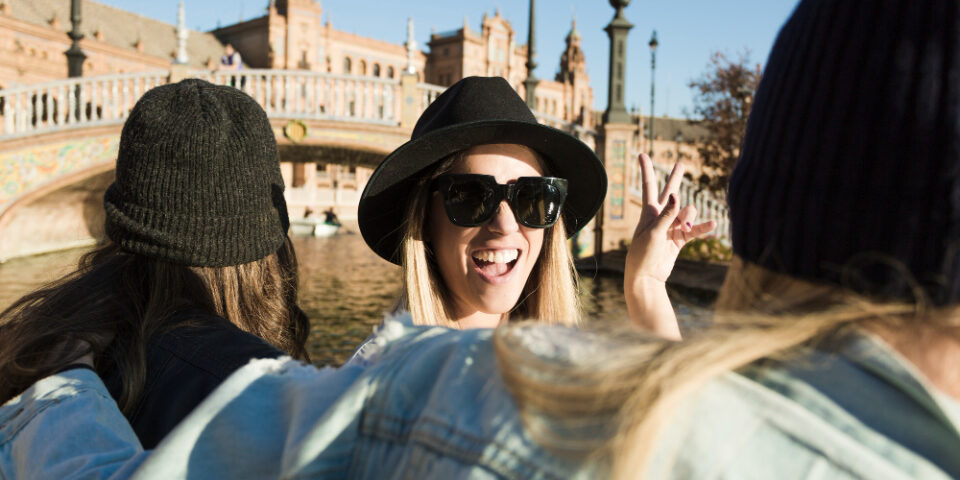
x=345 y=289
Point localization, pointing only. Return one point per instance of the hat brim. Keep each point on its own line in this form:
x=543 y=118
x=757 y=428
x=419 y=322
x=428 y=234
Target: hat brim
x=382 y=204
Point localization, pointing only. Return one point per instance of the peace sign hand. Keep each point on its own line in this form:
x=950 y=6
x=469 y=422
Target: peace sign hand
x=664 y=228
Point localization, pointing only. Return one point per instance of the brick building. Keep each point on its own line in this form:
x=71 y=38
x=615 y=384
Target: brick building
x=33 y=38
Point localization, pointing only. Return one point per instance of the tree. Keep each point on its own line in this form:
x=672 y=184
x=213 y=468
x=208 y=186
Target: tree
x=724 y=95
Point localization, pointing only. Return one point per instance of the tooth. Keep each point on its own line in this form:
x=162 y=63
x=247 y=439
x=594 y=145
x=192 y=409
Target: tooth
x=497 y=256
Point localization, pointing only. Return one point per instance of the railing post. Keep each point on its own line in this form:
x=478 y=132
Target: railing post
x=410 y=107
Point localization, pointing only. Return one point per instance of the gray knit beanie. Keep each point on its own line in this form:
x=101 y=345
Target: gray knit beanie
x=850 y=167
x=198 y=179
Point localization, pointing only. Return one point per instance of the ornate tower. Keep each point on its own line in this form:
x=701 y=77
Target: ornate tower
x=578 y=95
x=294 y=35
x=572 y=61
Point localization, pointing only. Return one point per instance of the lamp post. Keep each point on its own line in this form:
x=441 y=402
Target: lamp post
x=653 y=66
x=75 y=55
x=617 y=30
x=745 y=96
x=678 y=138
x=530 y=83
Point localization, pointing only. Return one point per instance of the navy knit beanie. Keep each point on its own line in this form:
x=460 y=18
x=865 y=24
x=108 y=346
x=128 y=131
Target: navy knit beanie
x=198 y=179
x=850 y=167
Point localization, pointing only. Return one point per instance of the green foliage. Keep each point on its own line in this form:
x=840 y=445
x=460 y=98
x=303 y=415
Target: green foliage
x=709 y=249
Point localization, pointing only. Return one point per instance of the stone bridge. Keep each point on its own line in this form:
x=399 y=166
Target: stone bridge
x=58 y=141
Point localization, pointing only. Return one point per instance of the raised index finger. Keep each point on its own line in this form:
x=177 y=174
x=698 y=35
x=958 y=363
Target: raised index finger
x=649 y=178
x=673 y=182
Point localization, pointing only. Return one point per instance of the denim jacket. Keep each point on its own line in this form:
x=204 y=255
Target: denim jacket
x=184 y=365
x=430 y=403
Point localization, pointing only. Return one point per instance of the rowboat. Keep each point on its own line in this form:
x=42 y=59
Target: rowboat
x=305 y=227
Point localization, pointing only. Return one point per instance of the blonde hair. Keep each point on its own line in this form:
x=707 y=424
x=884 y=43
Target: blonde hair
x=549 y=296
x=636 y=383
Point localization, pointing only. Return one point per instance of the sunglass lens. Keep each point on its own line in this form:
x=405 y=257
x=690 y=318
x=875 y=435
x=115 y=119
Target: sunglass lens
x=538 y=204
x=467 y=202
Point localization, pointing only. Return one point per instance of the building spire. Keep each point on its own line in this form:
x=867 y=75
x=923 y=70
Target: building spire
x=182 y=34
x=411 y=46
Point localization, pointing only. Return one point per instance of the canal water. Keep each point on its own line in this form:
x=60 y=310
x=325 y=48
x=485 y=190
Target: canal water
x=344 y=288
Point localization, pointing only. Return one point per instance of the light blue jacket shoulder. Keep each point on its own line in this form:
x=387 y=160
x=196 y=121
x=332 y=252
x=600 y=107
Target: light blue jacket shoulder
x=430 y=403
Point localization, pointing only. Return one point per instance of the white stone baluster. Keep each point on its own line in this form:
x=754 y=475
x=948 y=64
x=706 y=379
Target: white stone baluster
x=115 y=101
x=61 y=105
x=8 y=113
x=268 y=93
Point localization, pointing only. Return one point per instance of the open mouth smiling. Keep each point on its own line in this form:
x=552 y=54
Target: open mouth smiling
x=495 y=264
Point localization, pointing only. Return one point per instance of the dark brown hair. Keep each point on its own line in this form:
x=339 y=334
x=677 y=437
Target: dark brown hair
x=119 y=300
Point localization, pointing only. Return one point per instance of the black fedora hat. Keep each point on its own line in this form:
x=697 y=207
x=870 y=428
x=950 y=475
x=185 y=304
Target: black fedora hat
x=475 y=111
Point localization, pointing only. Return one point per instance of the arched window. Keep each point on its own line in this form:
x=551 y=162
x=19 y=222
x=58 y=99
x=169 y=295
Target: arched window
x=363 y=68
x=390 y=72
x=376 y=69
x=346 y=65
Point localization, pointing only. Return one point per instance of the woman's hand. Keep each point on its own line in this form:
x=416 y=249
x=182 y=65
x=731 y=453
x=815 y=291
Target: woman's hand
x=664 y=228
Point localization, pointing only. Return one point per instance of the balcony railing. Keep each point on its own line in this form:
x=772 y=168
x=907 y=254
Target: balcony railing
x=313 y=95
x=107 y=100
x=72 y=103
x=104 y=100
x=708 y=206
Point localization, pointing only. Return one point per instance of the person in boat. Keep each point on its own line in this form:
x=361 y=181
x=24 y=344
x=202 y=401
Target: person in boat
x=197 y=275
x=330 y=217
x=833 y=353
x=477 y=207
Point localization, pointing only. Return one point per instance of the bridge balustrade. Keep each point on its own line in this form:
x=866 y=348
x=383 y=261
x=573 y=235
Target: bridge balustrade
x=286 y=94
x=72 y=103
x=314 y=95
x=428 y=93
x=708 y=206
x=91 y=101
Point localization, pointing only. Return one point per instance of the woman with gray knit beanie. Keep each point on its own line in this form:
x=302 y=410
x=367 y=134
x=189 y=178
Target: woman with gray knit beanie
x=833 y=354
x=198 y=275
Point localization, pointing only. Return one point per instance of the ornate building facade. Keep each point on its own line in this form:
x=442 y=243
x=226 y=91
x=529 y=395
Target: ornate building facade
x=493 y=51
x=33 y=39
x=293 y=35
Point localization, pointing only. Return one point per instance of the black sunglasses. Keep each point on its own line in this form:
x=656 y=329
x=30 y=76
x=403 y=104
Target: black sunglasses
x=472 y=200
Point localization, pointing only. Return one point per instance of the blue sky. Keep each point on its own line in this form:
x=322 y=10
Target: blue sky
x=687 y=30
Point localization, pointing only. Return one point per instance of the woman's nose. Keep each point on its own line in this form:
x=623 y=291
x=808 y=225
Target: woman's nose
x=504 y=221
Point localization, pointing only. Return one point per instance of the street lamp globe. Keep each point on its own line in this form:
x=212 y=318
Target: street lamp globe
x=653 y=40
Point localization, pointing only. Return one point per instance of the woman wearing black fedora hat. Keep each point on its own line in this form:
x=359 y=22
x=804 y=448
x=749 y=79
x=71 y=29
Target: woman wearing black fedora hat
x=478 y=205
